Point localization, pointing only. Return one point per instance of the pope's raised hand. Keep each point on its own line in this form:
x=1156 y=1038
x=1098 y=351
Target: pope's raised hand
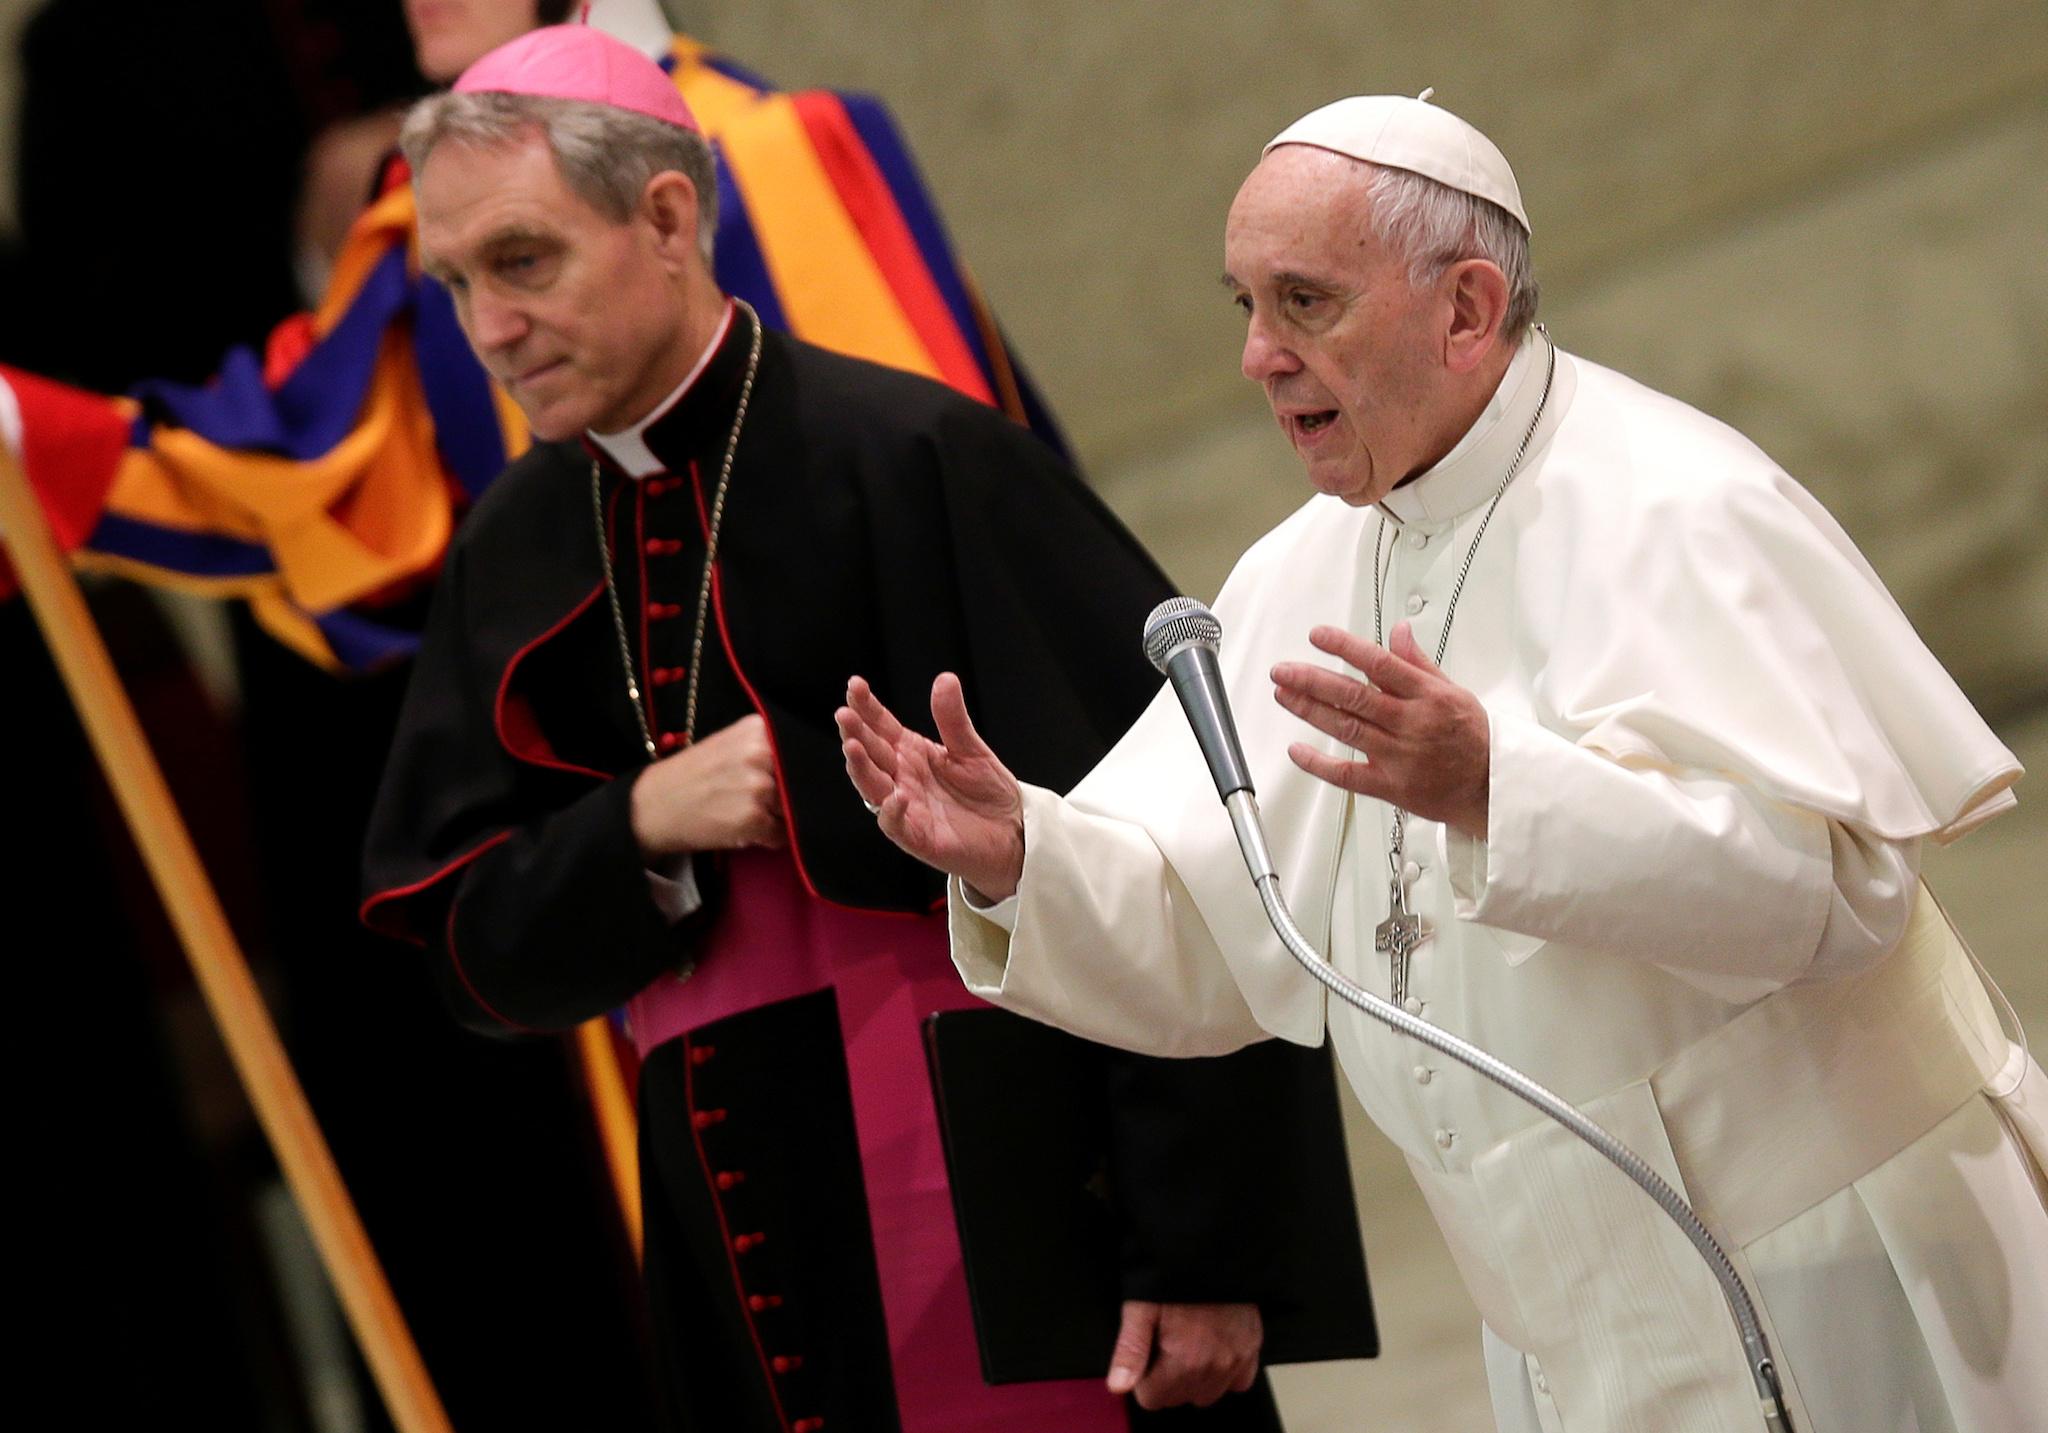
x=950 y=802
x=1426 y=740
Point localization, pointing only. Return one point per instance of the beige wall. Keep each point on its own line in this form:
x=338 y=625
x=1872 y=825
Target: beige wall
x=1086 y=150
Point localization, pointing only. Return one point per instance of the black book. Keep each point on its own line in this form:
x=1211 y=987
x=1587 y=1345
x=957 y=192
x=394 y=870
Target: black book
x=1022 y=1111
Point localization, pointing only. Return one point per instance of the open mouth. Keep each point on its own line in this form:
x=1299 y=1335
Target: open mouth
x=1316 y=422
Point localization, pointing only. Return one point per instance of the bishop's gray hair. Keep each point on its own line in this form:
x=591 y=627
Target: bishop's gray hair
x=605 y=154
x=1432 y=226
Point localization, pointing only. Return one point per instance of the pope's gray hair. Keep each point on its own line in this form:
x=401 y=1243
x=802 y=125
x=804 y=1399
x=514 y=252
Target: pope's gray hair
x=605 y=154
x=1432 y=226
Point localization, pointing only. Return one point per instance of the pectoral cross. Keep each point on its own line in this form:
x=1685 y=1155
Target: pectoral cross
x=1399 y=934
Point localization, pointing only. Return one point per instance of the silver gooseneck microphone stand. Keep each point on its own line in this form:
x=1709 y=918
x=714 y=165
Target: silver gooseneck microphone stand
x=1181 y=637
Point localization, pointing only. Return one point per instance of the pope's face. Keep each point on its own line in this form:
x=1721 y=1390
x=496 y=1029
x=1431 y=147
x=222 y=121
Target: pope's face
x=578 y=317
x=1350 y=355
x=448 y=36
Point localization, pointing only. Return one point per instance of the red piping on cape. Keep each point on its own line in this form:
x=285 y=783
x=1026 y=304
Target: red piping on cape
x=739 y=1285
x=541 y=754
x=463 y=975
x=366 y=916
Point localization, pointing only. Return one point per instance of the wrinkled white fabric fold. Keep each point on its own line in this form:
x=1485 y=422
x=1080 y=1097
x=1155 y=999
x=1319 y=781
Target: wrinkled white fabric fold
x=1820 y=899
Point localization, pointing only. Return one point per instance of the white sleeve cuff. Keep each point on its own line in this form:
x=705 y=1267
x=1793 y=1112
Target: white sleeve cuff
x=981 y=943
x=1464 y=859
x=999 y=913
x=674 y=889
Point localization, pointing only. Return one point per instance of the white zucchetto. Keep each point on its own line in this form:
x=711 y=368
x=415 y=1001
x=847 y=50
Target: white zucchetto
x=1415 y=135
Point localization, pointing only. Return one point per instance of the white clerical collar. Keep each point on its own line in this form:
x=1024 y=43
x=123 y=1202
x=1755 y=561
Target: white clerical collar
x=1469 y=474
x=628 y=448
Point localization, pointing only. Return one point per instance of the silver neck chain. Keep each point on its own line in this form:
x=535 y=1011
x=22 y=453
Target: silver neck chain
x=1443 y=639
x=611 y=581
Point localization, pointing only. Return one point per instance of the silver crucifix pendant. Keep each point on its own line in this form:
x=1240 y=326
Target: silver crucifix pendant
x=1397 y=936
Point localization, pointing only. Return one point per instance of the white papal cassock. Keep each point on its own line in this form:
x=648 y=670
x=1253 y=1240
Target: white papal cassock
x=1716 y=748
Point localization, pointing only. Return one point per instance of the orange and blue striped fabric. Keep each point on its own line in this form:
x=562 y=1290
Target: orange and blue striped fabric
x=325 y=478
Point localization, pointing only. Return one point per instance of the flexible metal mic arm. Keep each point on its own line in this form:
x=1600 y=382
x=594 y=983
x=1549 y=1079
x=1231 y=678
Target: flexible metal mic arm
x=1251 y=839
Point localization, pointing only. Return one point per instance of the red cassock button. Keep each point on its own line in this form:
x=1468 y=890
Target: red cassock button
x=749 y=1241
x=699 y=1054
x=704 y=1119
x=664 y=546
x=669 y=740
x=662 y=611
x=727 y=1178
x=788 y=1363
x=760 y=1302
x=807 y=1425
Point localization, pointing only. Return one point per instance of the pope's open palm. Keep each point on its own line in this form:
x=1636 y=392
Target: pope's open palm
x=951 y=803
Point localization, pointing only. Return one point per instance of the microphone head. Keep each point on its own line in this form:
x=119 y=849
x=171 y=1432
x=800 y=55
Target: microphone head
x=1176 y=623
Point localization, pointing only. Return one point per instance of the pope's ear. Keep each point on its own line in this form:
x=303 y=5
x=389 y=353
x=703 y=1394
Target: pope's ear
x=669 y=205
x=1477 y=292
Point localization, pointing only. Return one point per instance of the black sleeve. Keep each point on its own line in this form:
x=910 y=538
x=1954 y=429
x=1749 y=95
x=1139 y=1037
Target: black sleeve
x=526 y=886
x=556 y=923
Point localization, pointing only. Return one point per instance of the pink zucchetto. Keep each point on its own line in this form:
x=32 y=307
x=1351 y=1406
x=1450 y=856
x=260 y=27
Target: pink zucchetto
x=576 y=62
x=1414 y=135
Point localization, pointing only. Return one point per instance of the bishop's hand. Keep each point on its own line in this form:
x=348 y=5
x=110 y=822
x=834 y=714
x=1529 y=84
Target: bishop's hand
x=950 y=802
x=1426 y=740
x=714 y=795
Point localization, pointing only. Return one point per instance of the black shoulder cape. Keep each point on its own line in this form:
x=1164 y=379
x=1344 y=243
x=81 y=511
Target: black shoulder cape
x=877 y=524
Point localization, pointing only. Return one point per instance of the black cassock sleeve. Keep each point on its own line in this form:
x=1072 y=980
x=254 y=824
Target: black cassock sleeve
x=524 y=882
x=556 y=924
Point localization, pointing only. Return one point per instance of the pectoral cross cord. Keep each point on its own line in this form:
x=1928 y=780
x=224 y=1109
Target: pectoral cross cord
x=1402 y=931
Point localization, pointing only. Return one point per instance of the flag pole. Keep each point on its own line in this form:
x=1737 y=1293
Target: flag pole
x=238 y=1010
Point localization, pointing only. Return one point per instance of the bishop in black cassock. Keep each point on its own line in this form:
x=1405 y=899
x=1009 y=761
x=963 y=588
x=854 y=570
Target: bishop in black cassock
x=800 y=1261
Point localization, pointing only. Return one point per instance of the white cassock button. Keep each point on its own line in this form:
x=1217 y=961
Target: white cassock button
x=1416 y=603
x=1418 y=540
x=1412 y=1005
x=1445 y=1138
x=1542 y=1384
x=1423 y=1074
x=1409 y=872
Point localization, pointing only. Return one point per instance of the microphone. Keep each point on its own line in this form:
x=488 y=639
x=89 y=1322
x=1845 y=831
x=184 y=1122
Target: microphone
x=1181 y=639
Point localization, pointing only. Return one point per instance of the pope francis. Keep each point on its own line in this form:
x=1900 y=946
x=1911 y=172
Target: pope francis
x=1644 y=764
